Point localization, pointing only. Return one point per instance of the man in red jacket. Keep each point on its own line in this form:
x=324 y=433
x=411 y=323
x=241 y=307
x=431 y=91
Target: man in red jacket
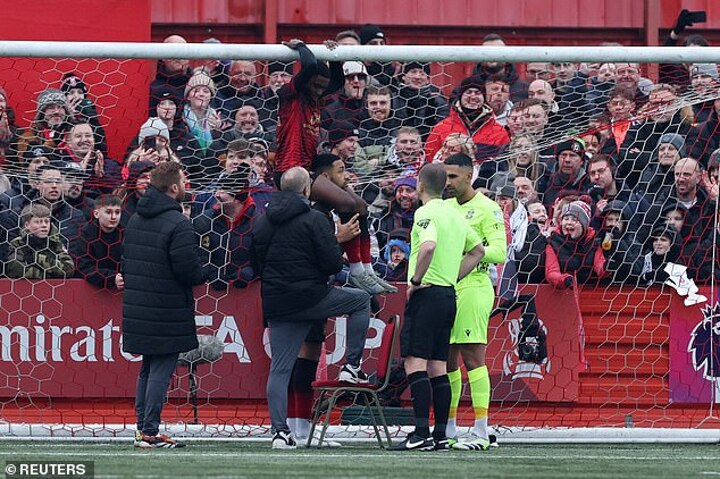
x=471 y=116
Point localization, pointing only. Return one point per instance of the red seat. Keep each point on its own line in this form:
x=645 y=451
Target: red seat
x=332 y=390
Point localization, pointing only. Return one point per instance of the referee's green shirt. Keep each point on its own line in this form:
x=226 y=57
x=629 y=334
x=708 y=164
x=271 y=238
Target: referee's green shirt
x=439 y=222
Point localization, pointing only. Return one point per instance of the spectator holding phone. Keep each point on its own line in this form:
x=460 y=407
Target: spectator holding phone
x=678 y=74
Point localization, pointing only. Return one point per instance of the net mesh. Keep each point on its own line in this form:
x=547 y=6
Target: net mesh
x=581 y=334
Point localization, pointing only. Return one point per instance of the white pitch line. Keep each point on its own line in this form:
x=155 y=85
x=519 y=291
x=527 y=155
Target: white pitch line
x=240 y=454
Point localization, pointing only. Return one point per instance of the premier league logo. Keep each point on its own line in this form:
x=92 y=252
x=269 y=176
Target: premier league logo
x=705 y=343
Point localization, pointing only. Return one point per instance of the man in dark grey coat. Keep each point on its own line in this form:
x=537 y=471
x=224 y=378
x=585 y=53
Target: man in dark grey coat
x=159 y=268
x=295 y=252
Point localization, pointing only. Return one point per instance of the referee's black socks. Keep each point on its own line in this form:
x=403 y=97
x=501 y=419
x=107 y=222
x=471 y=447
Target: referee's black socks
x=441 y=404
x=420 y=390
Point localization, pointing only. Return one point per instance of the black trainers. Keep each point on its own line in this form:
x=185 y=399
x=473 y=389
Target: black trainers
x=159 y=441
x=441 y=445
x=283 y=440
x=415 y=443
x=353 y=375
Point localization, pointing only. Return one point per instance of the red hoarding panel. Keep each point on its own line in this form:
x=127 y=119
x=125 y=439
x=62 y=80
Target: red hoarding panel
x=63 y=339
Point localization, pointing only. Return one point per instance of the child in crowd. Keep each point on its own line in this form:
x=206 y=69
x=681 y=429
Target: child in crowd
x=98 y=250
x=38 y=252
x=573 y=256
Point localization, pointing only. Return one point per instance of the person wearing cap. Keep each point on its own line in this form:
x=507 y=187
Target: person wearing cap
x=570 y=172
x=82 y=108
x=349 y=105
x=226 y=232
x=604 y=189
x=279 y=74
x=25 y=182
x=49 y=192
x=574 y=256
x=382 y=73
x=168 y=109
x=471 y=116
x=50 y=124
x=708 y=139
x=241 y=90
x=475 y=298
x=399 y=212
x=172 y=76
x=418 y=102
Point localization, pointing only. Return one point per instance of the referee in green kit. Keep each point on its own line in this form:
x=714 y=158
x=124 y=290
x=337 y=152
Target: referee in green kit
x=444 y=249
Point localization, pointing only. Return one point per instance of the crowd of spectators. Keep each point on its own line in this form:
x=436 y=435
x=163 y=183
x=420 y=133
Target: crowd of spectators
x=604 y=176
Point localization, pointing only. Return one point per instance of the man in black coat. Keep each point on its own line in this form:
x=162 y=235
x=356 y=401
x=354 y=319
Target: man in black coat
x=295 y=251
x=159 y=268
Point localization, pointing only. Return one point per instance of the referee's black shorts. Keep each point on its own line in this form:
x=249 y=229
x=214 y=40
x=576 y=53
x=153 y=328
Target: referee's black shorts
x=429 y=318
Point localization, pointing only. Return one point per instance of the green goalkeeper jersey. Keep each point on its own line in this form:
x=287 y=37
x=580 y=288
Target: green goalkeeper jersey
x=486 y=219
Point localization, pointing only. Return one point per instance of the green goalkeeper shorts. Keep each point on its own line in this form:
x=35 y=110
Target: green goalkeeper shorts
x=474 y=305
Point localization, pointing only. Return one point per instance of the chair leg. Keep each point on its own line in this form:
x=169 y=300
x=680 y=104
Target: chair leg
x=326 y=424
x=372 y=418
x=376 y=400
x=316 y=415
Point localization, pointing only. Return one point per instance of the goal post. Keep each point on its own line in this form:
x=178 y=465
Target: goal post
x=629 y=135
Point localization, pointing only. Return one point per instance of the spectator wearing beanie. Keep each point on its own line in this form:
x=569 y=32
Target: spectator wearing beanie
x=657 y=179
x=168 y=108
x=569 y=173
x=279 y=74
x=204 y=124
x=470 y=116
x=419 y=103
x=573 y=255
x=342 y=141
x=50 y=124
x=400 y=211
x=82 y=109
x=381 y=73
x=349 y=105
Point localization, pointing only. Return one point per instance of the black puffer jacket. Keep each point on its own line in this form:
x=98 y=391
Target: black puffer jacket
x=160 y=266
x=294 y=252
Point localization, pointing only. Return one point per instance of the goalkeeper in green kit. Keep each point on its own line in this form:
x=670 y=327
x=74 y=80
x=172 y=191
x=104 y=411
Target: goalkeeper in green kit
x=475 y=299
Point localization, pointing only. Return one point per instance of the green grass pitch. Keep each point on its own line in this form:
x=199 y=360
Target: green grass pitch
x=256 y=460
